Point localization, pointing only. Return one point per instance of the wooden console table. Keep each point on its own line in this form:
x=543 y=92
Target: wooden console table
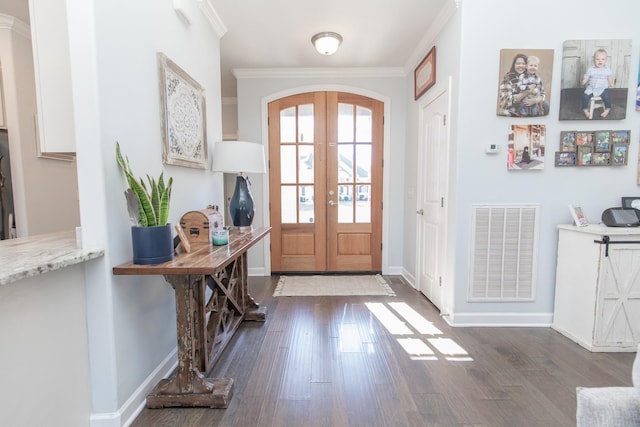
x=212 y=299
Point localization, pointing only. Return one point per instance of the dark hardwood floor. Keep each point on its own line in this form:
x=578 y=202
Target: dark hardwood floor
x=329 y=361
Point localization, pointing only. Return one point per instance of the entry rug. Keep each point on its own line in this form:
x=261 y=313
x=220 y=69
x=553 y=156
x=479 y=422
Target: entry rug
x=302 y=286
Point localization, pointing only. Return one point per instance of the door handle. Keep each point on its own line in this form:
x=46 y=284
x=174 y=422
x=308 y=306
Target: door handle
x=331 y=203
x=420 y=212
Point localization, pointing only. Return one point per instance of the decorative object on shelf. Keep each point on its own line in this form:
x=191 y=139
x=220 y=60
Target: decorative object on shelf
x=148 y=211
x=198 y=226
x=578 y=215
x=593 y=148
x=424 y=76
x=184 y=242
x=327 y=42
x=184 y=131
x=220 y=237
x=242 y=158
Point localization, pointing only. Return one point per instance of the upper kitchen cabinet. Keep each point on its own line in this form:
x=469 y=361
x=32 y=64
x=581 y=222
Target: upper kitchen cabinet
x=52 y=69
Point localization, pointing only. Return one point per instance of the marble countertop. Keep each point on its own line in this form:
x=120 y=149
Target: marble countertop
x=30 y=256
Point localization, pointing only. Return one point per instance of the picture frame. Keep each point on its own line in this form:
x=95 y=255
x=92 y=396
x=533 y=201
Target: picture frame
x=619 y=154
x=584 y=138
x=424 y=76
x=183 y=112
x=577 y=62
x=579 y=218
x=602 y=141
x=584 y=155
x=620 y=137
x=567 y=141
x=565 y=159
x=595 y=148
x=600 y=159
x=630 y=202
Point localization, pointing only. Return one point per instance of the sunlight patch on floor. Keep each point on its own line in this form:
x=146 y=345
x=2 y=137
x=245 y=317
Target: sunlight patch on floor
x=416 y=348
x=419 y=323
x=450 y=349
x=389 y=320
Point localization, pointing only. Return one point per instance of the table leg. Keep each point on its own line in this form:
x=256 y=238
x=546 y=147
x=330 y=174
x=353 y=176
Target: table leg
x=189 y=387
x=252 y=310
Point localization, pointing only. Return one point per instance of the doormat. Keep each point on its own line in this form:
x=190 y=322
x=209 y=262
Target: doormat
x=304 y=286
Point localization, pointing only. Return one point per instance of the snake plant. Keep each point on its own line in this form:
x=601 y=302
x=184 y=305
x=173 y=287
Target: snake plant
x=147 y=207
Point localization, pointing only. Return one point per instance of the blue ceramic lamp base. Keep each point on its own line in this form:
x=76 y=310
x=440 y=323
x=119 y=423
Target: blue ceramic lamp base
x=241 y=207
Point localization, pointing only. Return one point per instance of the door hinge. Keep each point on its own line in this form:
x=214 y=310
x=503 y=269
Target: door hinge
x=444 y=120
x=442 y=202
x=439 y=280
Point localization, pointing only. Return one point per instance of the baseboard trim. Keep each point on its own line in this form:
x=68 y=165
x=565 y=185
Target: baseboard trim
x=533 y=320
x=256 y=271
x=136 y=402
x=410 y=278
x=393 y=271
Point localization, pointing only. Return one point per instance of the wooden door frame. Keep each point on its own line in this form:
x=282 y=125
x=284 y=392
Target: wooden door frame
x=386 y=153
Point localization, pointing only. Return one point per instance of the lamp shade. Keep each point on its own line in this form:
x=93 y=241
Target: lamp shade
x=238 y=157
x=326 y=43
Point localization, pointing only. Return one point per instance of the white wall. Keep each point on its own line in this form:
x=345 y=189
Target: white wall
x=447 y=42
x=257 y=87
x=116 y=98
x=482 y=178
x=44 y=351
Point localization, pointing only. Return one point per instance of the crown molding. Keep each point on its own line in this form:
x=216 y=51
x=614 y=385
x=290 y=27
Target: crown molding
x=281 y=73
x=448 y=10
x=12 y=23
x=214 y=19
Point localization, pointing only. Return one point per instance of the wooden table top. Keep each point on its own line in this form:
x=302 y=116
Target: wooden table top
x=204 y=258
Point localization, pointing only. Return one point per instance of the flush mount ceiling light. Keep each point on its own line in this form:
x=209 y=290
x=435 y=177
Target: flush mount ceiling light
x=326 y=42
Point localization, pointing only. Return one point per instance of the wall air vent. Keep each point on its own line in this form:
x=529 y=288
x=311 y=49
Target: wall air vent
x=503 y=252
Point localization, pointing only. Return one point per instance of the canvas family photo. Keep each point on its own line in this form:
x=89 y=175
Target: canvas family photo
x=524 y=82
x=595 y=79
x=525 y=148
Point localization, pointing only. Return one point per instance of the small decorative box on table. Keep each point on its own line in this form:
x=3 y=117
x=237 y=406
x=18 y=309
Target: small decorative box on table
x=199 y=226
x=205 y=325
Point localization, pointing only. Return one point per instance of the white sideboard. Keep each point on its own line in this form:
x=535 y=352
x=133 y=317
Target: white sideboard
x=597 y=300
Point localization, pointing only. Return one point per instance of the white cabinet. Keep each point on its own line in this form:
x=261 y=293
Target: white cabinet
x=52 y=69
x=597 y=301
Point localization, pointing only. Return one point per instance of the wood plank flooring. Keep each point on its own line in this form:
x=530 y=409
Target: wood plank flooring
x=329 y=361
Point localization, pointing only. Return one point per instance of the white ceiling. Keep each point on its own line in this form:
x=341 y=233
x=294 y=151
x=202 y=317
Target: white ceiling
x=277 y=33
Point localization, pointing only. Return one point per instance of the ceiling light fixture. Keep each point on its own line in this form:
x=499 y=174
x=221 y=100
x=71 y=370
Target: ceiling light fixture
x=326 y=42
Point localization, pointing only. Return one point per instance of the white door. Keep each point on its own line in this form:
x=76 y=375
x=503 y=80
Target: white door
x=431 y=201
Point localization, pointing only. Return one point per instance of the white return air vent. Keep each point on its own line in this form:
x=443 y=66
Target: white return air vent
x=503 y=252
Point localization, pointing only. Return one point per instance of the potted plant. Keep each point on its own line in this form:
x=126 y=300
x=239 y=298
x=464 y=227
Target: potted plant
x=148 y=211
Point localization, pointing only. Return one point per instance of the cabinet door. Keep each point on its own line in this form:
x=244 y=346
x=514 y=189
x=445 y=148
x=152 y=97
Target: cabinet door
x=618 y=306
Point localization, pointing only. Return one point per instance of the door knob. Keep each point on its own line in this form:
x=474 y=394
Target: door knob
x=420 y=212
x=331 y=203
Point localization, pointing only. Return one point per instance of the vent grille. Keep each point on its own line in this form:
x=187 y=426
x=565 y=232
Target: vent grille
x=503 y=254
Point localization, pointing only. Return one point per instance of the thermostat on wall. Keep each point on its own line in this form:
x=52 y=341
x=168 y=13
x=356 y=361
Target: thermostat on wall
x=492 y=148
